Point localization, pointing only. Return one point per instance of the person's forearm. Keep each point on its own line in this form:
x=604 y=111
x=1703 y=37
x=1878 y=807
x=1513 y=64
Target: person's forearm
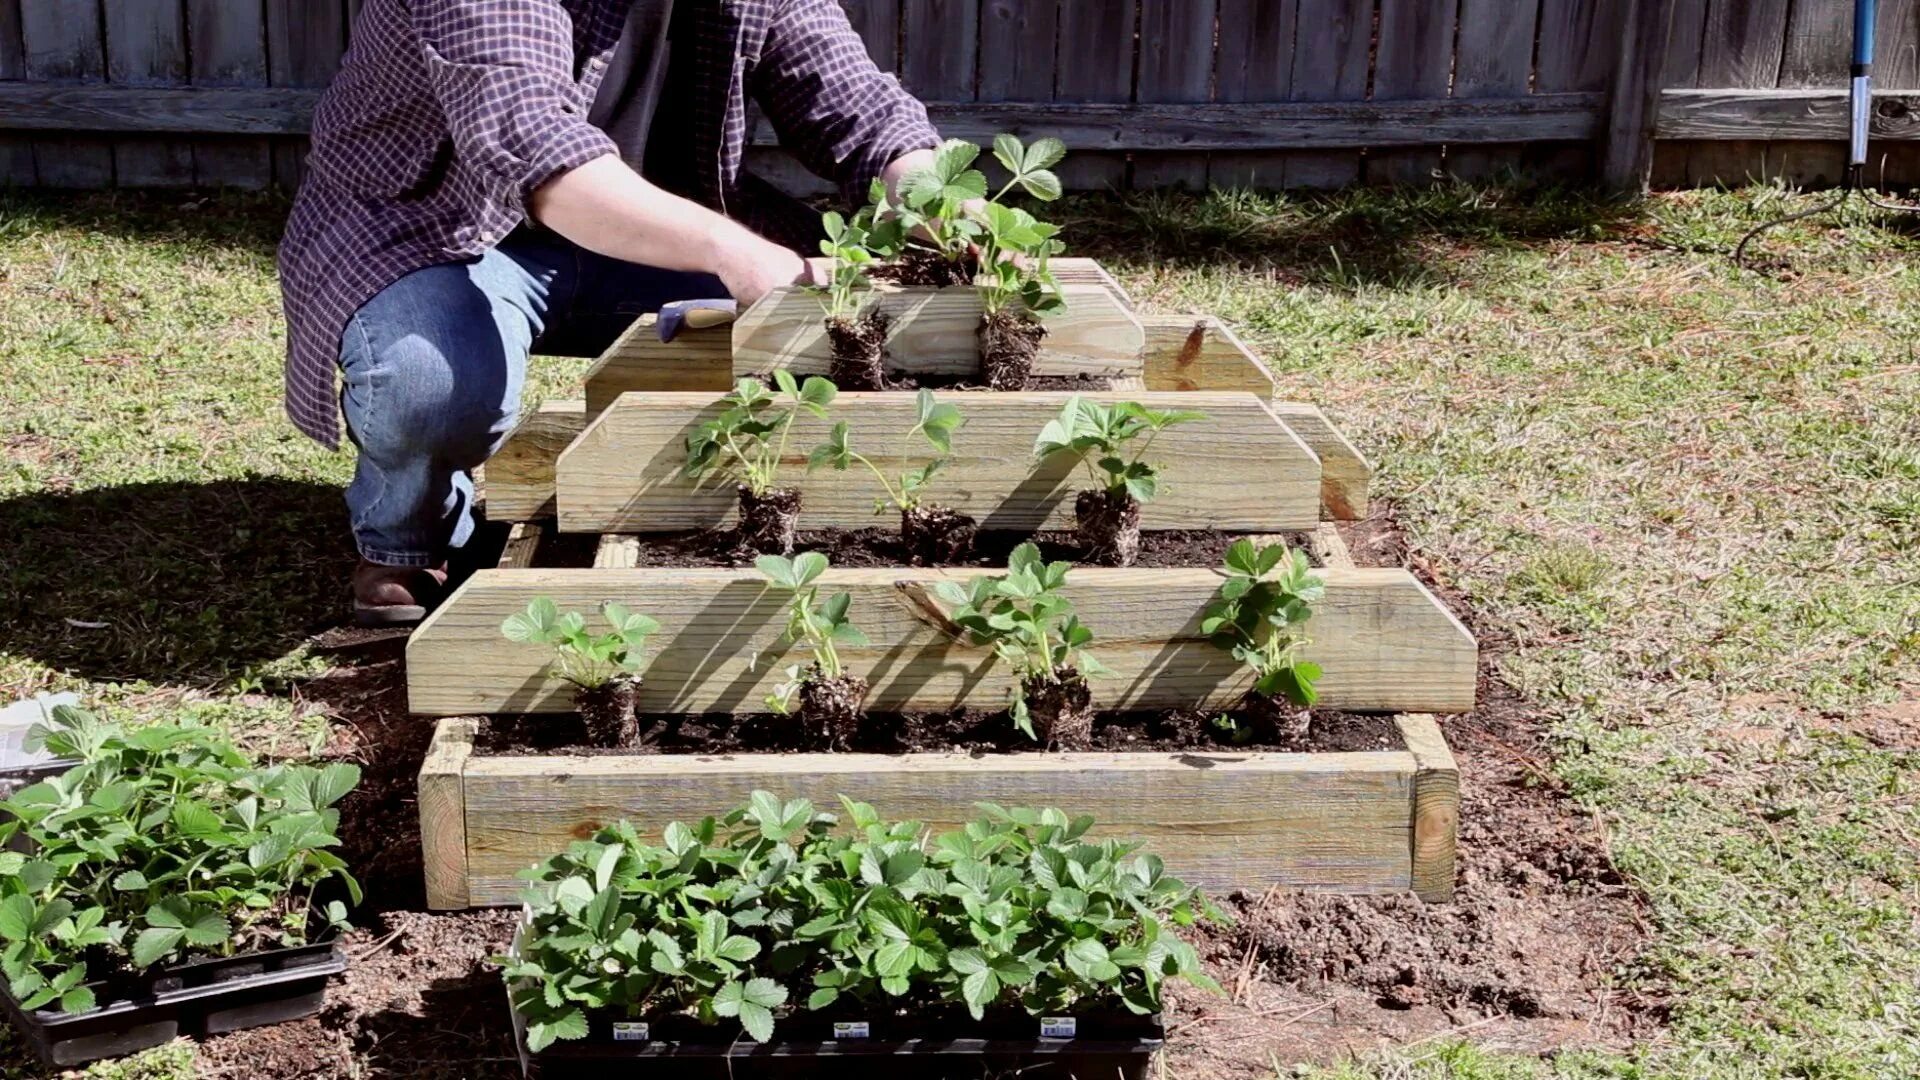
x=606 y=207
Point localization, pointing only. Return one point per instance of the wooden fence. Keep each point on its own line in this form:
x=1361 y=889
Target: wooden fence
x=1313 y=93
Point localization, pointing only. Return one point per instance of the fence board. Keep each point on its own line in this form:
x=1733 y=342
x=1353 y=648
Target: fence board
x=228 y=44
x=1741 y=45
x=304 y=42
x=1020 y=37
x=878 y=24
x=941 y=49
x=1254 y=63
x=1330 y=50
x=147 y=46
x=16 y=151
x=60 y=41
x=1414 y=60
x=1176 y=65
x=1493 y=59
x=1097 y=66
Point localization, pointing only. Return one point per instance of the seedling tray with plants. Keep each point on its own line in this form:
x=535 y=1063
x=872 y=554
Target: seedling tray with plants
x=164 y=885
x=783 y=584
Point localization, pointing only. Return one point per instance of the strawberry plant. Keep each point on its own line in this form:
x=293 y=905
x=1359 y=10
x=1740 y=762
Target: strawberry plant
x=1107 y=517
x=1267 y=597
x=747 y=442
x=603 y=668
x=164 y=843
x=772 y=909
x=931 y=533
x=1032 y=628
x=856 y=334
x=830 y=699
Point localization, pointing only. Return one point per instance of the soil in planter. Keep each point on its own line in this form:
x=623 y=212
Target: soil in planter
x=936 y=535
x=884 y=547
x=972 y=383
x=830 y=708
x=920 y=268
x=1009 y=343
x=767 y=522
x=1276 y=718
x=1061 y=709
x=859 y=352
x=1108 y=526
x=607 y=712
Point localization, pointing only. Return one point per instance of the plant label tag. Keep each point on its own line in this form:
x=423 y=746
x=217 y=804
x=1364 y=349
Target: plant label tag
x=851 y=1029
x=630 y=1032
x=1058 y=1027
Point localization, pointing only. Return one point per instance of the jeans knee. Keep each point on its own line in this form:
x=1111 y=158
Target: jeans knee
x=415 y=398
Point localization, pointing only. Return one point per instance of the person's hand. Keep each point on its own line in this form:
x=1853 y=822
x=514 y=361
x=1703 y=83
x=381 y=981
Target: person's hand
x=751 y=266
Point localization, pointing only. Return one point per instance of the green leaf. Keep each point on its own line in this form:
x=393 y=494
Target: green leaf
x=194 y=819
x=153 y=943
x=16 y=917
x=777 y=569
x=77 y=1000
x=1044 y=153
x=807 y=566
x=569 y=1024
x=130 y=881
x=1042 y=184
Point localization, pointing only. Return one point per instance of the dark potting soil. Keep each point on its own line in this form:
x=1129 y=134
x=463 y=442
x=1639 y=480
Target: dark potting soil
x=1008 y=346
x=969 y=730
x=830 y=709
x=935 y=535
x=606 y=711
x=859 y=347
x=767 y=522
x=1061 y=709
x=920 y=268
x=971 y=382
x=883 y=547
x=1108 y=526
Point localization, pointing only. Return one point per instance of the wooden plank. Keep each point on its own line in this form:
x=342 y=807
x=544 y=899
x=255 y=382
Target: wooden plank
x=1385 y=643
x=1741 y=46
x=305 y=39
x=228 y=46
x=617 y=551
x=1627 y=151
x=1782 y=114
x=1414 y=60
x=1345 y=476
x=878 y=24
x=1096 y=66
x=1436 y=808
x=624 y=473
x=940 y=48
x=443 y=814
x=1223 y=821
x=1199 y=352
x=1493 y=59
x=1330 y=56
x=933 y=331
x=1896 y=46
x=61 y=42
x=517 y=482
x=147 y=46
x=1176 y=65
x=523 y=545
x=16 y=152
x=1579 y=42
x=1329 y=547
x=639 y=360
x=1219 y=126
x=1253 y=67
x=1017 y=39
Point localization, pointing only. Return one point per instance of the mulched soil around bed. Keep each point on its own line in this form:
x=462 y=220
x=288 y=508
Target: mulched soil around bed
x=1522 y=958
x=881 y=546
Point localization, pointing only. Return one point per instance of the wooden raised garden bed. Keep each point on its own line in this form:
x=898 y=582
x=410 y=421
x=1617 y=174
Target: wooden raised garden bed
x=1365 y=821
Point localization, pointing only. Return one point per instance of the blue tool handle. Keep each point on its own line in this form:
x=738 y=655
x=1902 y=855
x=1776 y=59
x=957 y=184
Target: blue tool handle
x=694 y=315
x=1863 y=17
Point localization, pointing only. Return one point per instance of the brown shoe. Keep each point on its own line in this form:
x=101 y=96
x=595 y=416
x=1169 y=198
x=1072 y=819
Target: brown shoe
x=395 y=595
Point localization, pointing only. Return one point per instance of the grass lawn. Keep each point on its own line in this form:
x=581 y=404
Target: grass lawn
x=1684 y=496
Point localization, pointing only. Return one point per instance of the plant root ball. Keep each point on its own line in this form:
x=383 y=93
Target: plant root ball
x=767 y=522
x=1062 y=709
x=859 y=351
x=1275 y=719
x=607 y=711
x=936 y=535
x=830 y=708
x=1009 y=342
x=1107 y=524
x=919 y=268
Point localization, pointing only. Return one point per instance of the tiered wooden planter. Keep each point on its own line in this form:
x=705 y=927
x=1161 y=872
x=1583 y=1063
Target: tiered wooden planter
x=1369 y=822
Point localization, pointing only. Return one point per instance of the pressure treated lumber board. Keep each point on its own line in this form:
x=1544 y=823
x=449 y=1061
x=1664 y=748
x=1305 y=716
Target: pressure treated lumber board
x=443 y=813
x=932 y=331
x=1345 y=476
x=1347 y=822
x=517 y=482
x=1240 y=468
x=1198 y=352
x=1385 y=643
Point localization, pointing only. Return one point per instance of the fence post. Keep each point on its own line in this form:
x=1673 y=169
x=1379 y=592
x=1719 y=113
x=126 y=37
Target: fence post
x=1634 y=104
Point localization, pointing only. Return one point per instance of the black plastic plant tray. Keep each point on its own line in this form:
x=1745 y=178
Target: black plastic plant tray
x=1102 y=1047
x=205 y=997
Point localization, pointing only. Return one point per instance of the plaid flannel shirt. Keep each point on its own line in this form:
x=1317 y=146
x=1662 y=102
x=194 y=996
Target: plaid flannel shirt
x=447 y=114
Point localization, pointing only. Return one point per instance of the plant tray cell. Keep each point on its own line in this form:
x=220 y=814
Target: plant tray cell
x=204 y=997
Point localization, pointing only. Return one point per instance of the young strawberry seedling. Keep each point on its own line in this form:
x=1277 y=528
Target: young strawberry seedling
x=604 y=668
x=932 y=534
x=747 y=442
x=1107 y=517
x=1032 y=628
x=830 y=699
x=856 y=332
x=1268 y=595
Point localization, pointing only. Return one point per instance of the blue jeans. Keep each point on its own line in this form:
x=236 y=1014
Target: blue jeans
x=433 y=367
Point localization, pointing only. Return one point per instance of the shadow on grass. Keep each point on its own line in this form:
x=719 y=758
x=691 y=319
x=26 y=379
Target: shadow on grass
x=1394 y=237
x=187 y=583
x=231 y=220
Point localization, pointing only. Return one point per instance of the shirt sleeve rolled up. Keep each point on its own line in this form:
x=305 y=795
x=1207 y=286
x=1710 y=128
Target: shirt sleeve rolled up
x=502 y=72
